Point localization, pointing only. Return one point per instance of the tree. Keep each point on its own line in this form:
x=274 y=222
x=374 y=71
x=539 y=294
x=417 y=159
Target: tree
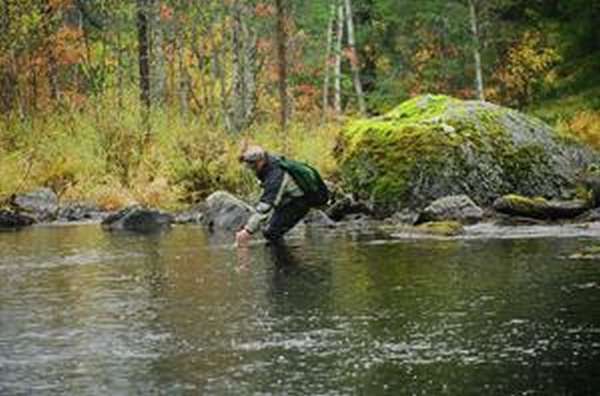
x=157 y=58
x=337 y=102
x=327 y=69
x=144 y=51
x=244 y=67
x=354 y=64
x=281 y=38
x=476 y=53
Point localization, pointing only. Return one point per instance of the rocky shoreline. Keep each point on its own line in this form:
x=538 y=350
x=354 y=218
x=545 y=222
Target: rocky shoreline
x=449 y=217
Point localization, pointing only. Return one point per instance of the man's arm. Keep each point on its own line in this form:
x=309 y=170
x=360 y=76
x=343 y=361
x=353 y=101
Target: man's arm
x=273 y=188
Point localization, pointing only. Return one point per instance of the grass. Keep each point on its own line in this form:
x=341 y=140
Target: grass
x=102 y=153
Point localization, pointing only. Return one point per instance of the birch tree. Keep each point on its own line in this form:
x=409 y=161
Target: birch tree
x=328 y=59
x=476 y=53
x=337 y=101
x=354 y=58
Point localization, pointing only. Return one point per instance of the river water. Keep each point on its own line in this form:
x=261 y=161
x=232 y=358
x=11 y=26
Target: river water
x=86 y=312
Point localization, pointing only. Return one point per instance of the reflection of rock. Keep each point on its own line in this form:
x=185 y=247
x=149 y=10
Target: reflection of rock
x=539 y=208
x=589 y=253
x=225 y=212
x=433 y=229
x=41 y=204
x=11 y=220
x=457 y=207
x=138 y=220
x=441 y=228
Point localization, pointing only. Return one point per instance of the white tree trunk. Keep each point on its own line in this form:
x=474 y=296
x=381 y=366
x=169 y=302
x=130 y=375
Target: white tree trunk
x=328 y=60
x=476 y=54
x=354 y=61
x=337 y=103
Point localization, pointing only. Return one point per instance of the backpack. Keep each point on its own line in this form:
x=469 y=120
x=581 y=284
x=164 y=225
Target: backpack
x=308 y=179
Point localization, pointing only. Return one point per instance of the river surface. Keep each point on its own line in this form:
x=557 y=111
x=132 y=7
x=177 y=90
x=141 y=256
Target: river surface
x=85 y=312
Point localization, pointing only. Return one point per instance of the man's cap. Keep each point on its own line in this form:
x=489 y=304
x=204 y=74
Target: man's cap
x=253 y=154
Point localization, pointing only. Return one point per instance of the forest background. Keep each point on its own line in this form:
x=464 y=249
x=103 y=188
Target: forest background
x=148 y=101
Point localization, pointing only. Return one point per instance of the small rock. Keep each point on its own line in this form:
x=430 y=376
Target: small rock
x=346 y=205
x=41 y=204
x=456 y=208
x=137 y=219
x=80 y=211
x=11 y=221
x=539 y=208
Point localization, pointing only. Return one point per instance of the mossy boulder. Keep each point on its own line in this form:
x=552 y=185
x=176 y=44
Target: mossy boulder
x=433 y=146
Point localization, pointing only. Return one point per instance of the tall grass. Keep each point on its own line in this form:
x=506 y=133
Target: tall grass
x=103 y=152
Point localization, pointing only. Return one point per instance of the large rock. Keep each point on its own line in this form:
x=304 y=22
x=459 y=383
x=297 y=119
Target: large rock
x=457 y=207
x=11 y=221
x=138 y=219
x=41 y=204
x=540 y=208
x=434 y=146
x=224 y=212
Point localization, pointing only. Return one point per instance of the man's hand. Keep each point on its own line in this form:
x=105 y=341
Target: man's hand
x=242 y=237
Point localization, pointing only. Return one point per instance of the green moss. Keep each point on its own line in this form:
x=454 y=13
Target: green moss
x=442 y=228
x=435 y=144
x=380 y=156
x=519 y=201
x=532 y=207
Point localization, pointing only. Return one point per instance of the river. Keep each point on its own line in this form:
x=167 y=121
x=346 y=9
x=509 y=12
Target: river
x=86 y=312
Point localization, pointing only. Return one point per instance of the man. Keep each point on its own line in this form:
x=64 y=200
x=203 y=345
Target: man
x=282 y=204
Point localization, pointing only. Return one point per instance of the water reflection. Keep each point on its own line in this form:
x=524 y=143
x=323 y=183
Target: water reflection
x=88 y=312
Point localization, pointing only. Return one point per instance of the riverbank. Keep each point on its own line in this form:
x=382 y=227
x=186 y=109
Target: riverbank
x=353 y=219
